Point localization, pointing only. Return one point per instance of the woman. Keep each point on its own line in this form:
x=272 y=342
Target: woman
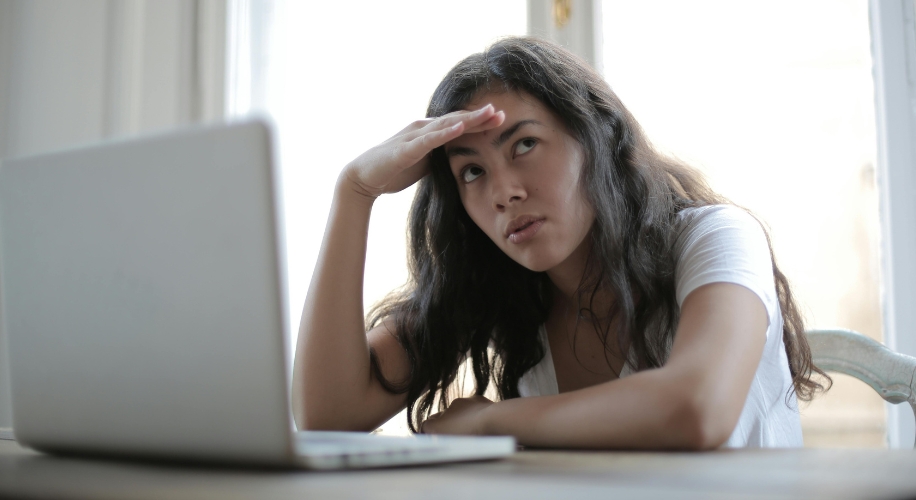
x=567 y=261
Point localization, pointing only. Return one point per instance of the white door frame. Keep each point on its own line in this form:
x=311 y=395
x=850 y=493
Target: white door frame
x=580 y=32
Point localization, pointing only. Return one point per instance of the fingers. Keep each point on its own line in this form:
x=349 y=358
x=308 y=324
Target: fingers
x=478 y=120
x=440 y=132
x=432 y=134
x=496 y=120
x=401 y=160
x=470 y=118
x=429 y=425
x=420 y=146
x=463 y=416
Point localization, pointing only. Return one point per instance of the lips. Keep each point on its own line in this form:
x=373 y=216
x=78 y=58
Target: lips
x=523 y=228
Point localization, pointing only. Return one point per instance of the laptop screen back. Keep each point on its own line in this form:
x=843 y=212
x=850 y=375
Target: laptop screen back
x=141 y=286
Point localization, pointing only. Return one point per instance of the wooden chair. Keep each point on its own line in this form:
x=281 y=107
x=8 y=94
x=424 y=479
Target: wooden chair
x=890 y=374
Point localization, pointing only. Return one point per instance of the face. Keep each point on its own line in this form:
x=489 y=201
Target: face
x=519 y=183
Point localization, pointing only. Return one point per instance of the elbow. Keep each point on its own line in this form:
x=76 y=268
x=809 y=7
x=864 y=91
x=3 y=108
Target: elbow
x=299 y=417
x=316 y=416
x=316 y=420
x=312 y=410
x=308 y=417
x=701 y=425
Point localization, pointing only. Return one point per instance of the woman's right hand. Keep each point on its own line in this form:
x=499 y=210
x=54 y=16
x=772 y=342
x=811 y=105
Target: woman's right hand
x=404 y=158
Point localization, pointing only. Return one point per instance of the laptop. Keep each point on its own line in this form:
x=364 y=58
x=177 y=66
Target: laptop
x=143 y=297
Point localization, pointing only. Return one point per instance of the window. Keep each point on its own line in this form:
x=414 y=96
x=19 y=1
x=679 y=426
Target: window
x=775 y=103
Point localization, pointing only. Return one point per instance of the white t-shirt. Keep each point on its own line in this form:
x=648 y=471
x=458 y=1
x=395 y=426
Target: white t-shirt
x=723 y=243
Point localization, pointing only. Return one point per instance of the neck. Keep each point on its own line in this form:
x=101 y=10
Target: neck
x=567 y=279
x=567 y=275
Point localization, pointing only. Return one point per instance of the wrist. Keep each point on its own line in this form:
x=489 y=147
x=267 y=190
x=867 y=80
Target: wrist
x=352 y=192
x=490 y=419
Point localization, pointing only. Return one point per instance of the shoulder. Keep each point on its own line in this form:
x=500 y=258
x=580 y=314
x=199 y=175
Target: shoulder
x=719 y=228
x=697 y=222
x=723 y=243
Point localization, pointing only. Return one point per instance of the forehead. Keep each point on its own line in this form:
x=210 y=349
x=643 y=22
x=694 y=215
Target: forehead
x=517 y=106
x=509 y=101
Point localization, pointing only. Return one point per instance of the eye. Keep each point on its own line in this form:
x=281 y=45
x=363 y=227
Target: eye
x=525 y=145
x=470 y=173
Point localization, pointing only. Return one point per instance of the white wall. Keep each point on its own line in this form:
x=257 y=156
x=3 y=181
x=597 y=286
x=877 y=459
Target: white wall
x=74 y=72
x=54 y=78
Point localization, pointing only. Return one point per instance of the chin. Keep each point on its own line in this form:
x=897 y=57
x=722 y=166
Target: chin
x=536 y=263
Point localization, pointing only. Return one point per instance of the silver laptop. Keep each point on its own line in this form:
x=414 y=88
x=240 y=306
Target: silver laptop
x=143 y=298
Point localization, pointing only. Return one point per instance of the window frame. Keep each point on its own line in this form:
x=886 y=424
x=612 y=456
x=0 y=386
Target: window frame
x=893 y=40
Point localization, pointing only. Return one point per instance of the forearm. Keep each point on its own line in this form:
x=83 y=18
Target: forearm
x=331 y=372
x=647 y=410
x=693 y=402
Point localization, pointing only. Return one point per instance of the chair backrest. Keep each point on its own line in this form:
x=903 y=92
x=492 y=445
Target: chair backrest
x=889 y=373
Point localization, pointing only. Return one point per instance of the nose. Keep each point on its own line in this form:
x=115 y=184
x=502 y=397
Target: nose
x=506 y=188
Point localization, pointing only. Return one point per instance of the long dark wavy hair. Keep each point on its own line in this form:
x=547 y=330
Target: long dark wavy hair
x=467 y=301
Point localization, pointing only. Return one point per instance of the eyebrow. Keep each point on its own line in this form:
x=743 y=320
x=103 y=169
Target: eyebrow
x=499 y=141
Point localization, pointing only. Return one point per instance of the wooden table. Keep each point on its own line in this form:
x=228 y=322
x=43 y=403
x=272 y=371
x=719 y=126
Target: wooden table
x=801 y=473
